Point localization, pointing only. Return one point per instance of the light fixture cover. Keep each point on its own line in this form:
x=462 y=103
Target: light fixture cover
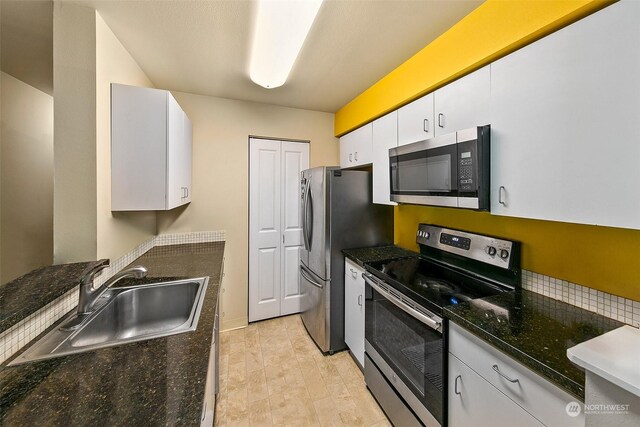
x=281 y=28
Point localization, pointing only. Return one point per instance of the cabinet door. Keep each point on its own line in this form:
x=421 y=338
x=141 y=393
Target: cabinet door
x=187 y=158
x=475 y=402
x=138 y=148
x=385 y=136
x=565 y=123
x=294 y=159
x=464 y=103
x=354 y=310
x=175 y=153
x=355 y=147
x=415 y=121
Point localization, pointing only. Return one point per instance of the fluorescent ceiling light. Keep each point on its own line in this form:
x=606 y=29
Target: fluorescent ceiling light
x=281 y=29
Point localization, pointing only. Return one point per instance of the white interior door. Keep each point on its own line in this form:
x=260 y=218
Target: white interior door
x=275 y=226
x=295 y=159
x=264 y=229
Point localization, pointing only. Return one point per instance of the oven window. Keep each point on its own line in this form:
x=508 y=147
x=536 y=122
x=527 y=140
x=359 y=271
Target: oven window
x=411 y=348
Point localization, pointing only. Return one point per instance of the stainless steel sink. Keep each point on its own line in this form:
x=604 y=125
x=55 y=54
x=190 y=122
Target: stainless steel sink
x=129 y=314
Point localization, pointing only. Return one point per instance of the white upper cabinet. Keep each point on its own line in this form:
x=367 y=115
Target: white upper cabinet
x=355 y=147
x=151 y=149
x=564 y=123
x=463 y=103
x=415 y=121
x=385 y=136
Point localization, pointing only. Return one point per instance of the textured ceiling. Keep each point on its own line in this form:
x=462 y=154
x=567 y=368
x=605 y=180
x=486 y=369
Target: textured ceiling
x=203 y=47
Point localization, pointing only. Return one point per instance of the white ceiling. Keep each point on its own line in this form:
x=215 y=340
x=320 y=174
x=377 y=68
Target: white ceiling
x=203 y=47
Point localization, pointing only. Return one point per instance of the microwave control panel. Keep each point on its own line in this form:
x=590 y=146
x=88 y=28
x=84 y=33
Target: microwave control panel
x=467 y=175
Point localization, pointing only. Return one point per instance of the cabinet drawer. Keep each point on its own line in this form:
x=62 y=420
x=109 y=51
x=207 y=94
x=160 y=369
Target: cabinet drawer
x=535 y=394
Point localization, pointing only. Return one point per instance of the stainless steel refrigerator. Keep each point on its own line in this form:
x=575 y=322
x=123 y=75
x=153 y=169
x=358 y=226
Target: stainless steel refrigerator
x=337 y=213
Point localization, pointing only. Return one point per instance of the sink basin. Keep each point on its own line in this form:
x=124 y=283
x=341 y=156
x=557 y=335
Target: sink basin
x=130 y=314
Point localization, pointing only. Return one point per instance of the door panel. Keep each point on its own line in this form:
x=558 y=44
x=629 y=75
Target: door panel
x=295 y=159
x=268 y=275
x=314 y=307
x=264 y=229
x=317 y=221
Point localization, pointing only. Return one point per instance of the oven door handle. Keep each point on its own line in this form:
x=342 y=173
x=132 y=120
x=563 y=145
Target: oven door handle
x=368 y=278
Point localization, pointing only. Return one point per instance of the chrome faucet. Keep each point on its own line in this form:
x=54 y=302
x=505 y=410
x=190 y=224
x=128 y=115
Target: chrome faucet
x=89 y=295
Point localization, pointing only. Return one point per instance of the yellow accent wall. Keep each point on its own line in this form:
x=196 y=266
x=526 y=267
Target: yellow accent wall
x=603 y=258
x=599 y=257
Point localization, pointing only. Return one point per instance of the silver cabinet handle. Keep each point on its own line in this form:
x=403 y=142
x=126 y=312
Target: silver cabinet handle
x=501 y=190
x=425 y=125
x=355 y=156
x=354 y=273
x=495 y=368
x=187 y=188
x=351 y=157
x=360 y=300
x=441 y=120
x=455 y=385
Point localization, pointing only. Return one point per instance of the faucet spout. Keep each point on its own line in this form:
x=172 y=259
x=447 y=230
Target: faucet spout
x=89 y=295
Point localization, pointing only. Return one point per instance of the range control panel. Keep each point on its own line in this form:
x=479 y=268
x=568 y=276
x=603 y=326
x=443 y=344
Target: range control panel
x=482 y=248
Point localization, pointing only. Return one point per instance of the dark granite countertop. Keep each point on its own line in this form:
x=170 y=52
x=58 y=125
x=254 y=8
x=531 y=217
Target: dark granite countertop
x=535 y=330
x=155 y=382
x=376 y=253
x=29 y=293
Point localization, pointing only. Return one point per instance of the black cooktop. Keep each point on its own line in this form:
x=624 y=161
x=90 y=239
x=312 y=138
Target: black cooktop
x=431 y=283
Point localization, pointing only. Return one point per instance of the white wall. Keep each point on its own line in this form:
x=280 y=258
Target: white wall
x=221 y=130
x=26 y=178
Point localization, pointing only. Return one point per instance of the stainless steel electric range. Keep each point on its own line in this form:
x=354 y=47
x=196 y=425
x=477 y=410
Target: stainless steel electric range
x=405 y=335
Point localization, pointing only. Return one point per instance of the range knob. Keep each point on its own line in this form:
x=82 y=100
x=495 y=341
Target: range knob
x=490 y=250
x=504 y=254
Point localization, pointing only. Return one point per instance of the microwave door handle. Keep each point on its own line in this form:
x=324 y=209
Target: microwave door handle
x=401 y=305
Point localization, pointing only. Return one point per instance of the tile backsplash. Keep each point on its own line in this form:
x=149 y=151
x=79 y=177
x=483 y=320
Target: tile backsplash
x=622 y=309
x=16 y=337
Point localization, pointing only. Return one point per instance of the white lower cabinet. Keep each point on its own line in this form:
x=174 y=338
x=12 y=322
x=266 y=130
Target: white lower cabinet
x=354 y=309
x=484 y=375
x=475 y=402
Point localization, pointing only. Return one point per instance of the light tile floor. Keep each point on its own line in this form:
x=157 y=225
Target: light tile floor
x=271 y=373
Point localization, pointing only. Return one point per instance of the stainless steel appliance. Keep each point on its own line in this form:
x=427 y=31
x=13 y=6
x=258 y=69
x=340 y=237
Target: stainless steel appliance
x=337 y=214
x=449 y=170
x=405 y=334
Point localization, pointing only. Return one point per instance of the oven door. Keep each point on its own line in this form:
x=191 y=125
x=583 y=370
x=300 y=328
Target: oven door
x=425 y=172
x=405 y=343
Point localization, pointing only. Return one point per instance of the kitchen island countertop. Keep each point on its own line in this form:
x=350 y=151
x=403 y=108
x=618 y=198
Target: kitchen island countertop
x=154 y=382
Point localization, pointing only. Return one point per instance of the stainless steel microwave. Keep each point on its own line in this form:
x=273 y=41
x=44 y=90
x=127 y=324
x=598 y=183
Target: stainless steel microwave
x=450 y=170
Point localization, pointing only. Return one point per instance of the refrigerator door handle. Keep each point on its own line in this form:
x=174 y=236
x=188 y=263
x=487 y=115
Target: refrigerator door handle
x=308 y=278
x=304 y=215
x=308 y=212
